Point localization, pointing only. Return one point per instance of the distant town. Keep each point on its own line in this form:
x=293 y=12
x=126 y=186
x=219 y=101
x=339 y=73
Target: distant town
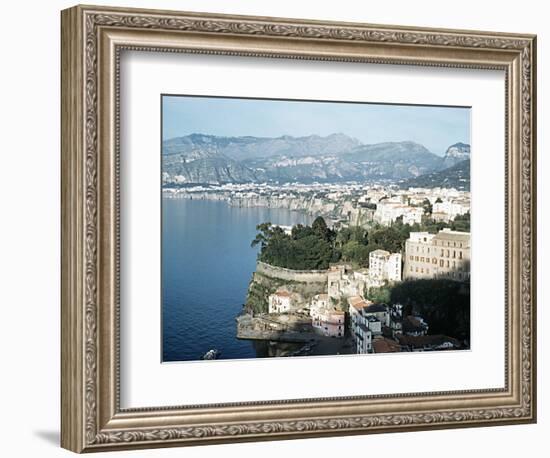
x=340 y=204
x=381 y=269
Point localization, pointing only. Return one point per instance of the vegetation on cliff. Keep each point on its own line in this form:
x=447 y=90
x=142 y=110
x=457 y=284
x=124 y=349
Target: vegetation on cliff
x=306 y=248
x=315 y=247
x=257 y=296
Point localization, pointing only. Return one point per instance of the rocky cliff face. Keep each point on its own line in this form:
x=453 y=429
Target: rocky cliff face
x=265 y=282
x=456 y=153
x=310 y=205
x=205 y=166
x=200 y=159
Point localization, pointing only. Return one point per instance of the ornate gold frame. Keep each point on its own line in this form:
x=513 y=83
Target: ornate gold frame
x=92 y=38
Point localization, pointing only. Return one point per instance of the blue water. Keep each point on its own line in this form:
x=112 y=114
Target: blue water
x=207 y=264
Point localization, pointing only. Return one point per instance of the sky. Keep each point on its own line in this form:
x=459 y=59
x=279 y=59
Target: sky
x=434 y=127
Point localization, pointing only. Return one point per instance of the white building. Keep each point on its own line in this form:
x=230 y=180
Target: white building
x=280 y=302
x=384 y=266
x=396 y=319
x=452 y=208
x=374 y=325
x=387 y=213
x=378 y=312
x=359 y=329
x=363 y=339
x=366 y=320
x=413 y=215
x=342 y=282
x=318 y=303
x=375 y=194
x=442 y=255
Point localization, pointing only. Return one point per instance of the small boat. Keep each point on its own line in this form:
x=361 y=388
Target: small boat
x=211 y=354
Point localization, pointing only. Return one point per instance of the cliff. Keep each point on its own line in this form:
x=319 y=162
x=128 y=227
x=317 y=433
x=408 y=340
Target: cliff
x=266 y=279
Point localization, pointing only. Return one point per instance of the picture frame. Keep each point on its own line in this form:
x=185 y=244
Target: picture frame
x=93 y=39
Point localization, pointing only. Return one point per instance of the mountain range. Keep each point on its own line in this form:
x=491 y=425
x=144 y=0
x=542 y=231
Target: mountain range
x=208 y=159
x=456 y=176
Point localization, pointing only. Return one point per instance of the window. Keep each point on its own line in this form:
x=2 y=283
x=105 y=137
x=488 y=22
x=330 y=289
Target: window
x=454 y=253
x=460 y=255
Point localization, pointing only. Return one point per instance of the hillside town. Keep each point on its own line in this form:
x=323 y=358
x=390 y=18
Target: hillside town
x=332 y=311
x=342 y=312
x=309 y=235
x=340 y=204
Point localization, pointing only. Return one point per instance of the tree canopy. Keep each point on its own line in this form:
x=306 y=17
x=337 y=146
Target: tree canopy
x=306 y=248
x=316 y=246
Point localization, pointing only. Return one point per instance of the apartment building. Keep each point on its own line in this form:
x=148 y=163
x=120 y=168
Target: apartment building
x=442 y=255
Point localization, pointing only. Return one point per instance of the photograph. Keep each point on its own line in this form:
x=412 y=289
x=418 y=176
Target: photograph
x=303 y=228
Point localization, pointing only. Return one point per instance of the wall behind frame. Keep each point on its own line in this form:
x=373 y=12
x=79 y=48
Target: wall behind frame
x=29 y=227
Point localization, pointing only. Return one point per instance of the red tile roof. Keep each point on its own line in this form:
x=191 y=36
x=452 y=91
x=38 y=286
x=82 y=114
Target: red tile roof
x=385 y=346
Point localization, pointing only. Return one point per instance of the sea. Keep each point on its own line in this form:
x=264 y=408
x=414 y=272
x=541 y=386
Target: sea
x=207 y=265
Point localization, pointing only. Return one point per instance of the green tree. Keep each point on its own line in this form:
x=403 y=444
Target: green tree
x=380 y=295
x=300 y=231
x=304 y=249
x=311 y=252
x=356 y=252
x=391 y=238
x=461 y=223
x=321 y=229
x=265 y=231
x=428 y=207
x=343 y=236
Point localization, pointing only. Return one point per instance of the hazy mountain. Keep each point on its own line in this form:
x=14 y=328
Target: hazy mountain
x=456 y=153
x=199 y=158
x=243 y=148
x=394 y=160
x=205 y=166
x=457 y=176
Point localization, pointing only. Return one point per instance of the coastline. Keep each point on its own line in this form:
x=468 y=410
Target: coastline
x=335 y=211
